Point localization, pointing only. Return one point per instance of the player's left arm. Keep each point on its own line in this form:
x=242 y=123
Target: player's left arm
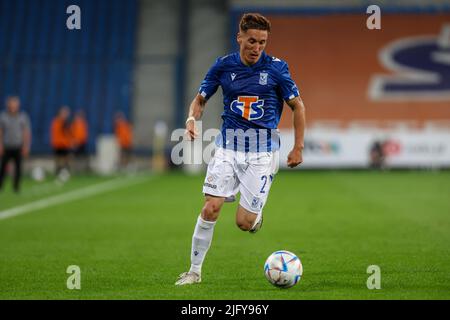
x=295 y=157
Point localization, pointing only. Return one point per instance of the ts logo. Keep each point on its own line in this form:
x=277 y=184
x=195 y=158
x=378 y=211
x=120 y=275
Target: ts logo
x=249 y=107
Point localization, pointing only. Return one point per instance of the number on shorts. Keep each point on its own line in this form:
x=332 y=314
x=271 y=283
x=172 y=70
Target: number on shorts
x=263 y=178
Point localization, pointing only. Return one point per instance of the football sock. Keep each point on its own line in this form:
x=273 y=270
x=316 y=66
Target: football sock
x=201 y=241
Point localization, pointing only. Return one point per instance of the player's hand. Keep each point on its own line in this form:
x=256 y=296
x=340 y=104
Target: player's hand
x=295 y=157
x=191 y=130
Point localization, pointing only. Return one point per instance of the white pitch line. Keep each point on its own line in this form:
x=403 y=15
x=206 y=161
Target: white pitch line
x=69 y=196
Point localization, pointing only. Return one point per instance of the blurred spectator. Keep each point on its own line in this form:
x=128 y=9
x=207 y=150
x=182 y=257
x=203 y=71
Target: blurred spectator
x=61 y=140
x=377 y=155
x=79 y=129
x=124 y=136
x=15 y=139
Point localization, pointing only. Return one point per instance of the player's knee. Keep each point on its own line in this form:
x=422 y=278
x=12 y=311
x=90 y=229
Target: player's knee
x=210 y=211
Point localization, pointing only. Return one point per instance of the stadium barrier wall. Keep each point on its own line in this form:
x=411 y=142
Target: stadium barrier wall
x=350 y=148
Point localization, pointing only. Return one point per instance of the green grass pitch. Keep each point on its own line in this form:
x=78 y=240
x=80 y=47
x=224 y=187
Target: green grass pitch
x=131 y=243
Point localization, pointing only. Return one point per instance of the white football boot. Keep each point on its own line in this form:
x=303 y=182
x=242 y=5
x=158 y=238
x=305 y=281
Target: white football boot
x=258 y=224
x=188 y=278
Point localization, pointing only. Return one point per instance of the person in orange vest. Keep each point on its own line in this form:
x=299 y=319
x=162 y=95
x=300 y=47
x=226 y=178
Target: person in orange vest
x=124 y=136
x=61 y=140
x=79 y=130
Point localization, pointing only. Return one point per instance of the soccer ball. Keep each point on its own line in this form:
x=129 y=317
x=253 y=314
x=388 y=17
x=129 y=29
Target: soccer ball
x=283 y=269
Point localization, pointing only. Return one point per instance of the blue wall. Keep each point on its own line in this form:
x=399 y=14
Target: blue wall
x=48 y=65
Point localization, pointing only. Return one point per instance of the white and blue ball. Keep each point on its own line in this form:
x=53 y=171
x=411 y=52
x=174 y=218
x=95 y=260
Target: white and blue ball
x=283 y=269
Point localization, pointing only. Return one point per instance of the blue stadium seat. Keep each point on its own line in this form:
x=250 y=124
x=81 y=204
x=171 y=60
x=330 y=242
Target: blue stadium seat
x=48 y=65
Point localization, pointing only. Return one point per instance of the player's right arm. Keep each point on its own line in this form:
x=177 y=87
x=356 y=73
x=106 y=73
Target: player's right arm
x=207 y=89
x=195 y=113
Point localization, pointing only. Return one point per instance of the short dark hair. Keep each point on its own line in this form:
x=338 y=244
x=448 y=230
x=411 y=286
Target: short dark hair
x=254 y=21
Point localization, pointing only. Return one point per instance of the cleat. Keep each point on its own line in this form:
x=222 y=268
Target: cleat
x=257 y=225
x=188 y=278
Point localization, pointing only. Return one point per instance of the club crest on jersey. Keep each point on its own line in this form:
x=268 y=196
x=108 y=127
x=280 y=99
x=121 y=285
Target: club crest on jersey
x=249 y=107
x=263 y=78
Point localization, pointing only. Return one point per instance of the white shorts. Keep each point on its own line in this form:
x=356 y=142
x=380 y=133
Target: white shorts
x=250 y=173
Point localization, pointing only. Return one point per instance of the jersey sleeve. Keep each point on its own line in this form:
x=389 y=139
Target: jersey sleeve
x=211 y=82
x=288 y=87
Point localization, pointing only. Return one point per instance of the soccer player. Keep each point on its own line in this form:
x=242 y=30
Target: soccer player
x=15 y=139
x=255 y=86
